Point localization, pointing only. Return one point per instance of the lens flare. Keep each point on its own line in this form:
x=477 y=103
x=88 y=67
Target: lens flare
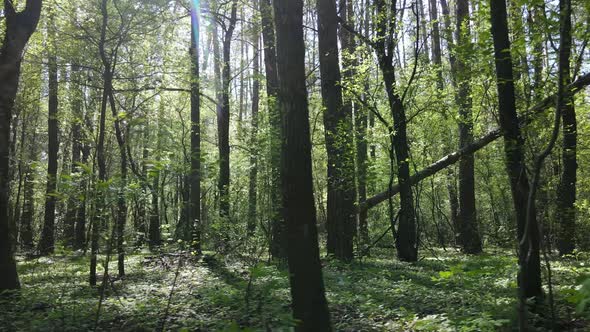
x=195 y=20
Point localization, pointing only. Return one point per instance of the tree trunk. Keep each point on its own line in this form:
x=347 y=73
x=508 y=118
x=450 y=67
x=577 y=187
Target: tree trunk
x=566 y=198
x=80 y=226
x=278 y=245
x=77 y=120
x=529 y=260
x=98 y=221
x=468 y=231
x=223 y=117
x=436 y=45
x=47 y=240
x=309 y=303
x=195 y=224
x=252 y=199
x=18 y=29
x=339 y=139
x=406 y=235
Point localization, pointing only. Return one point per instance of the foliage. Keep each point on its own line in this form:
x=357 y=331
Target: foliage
x=443 y=292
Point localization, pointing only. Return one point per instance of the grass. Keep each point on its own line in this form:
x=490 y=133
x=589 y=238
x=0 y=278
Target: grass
x=445 y=291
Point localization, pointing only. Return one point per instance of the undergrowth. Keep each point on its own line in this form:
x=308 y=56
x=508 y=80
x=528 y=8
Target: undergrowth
x=445 y=291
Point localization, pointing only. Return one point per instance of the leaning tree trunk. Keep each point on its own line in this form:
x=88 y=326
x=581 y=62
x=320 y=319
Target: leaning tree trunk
x=339 y=139
x=18 y=29
x=310 y=307
x=529 y=260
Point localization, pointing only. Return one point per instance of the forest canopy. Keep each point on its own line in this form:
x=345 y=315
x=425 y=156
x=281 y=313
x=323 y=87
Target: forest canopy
x=307 y=165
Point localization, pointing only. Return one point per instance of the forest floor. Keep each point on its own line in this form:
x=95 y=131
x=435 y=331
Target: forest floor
x=445 y=291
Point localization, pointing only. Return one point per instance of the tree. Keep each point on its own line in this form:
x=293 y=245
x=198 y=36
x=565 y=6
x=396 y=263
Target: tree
x=252 y=186
x=566 y=197
x=223 y=116
x=527 y=232
x=406 y=240
x=468 y=231
x=305 y=272
x=195 y=158
x=19 y=28
x=47 y=240
x=339 y=139
x=278 y=233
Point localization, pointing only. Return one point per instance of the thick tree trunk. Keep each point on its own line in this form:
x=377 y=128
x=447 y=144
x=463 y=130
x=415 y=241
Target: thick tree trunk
x=339 y=139
x=529 y=260
x=194 y=220
x=278 y=245
x=468 y=231
x=309 y=303
x=18 y=29
x=223 y=118
x=566 y=198
x=47 y=240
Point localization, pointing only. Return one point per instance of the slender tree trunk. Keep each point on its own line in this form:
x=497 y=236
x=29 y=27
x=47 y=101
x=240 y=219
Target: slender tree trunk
x=468 y=231
x=360 y=116
x=436 y=45
x=26 y=222
x=18 y=29
x=98 y=221
x=566 y=198
x=310 y=307
x=78 y=118
x=195 y=224
x=278 y=246
x=223 y=117
x=80 y=226
x=339 y=139
x=529 y=260
x=252 y=198
x=47 y=240
x=406 y=235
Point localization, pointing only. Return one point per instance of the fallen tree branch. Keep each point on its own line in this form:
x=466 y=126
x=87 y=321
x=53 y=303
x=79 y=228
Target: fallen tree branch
x=452 y=158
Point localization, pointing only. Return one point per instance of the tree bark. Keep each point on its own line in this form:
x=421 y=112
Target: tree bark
x=339 y=140
x=309 y=303
x=566 y=198
x=529 y=260
x=19 y=28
